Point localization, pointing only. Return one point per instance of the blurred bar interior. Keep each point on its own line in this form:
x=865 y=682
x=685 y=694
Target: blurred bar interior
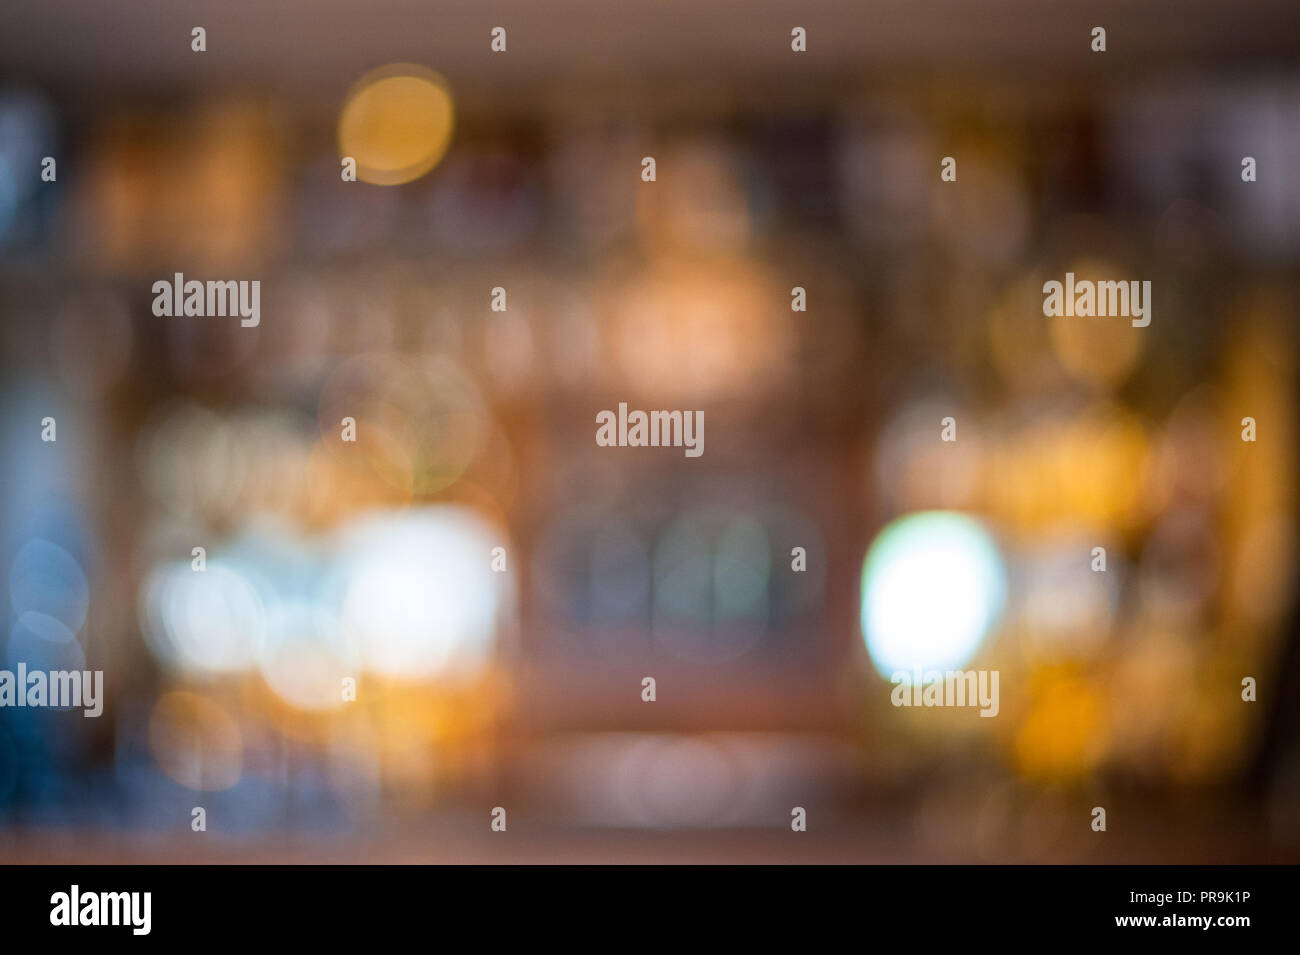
x=522 y=689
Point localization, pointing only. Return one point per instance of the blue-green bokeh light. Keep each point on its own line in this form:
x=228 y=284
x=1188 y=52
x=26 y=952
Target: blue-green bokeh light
x=933 y=586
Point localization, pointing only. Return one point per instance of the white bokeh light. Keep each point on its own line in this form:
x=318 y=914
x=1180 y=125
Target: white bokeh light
x=933 y=585
x=204 y=623
x=415 y=599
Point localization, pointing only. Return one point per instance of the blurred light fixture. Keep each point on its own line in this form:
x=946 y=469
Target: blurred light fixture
x=396 y=123
x=391 y=593
x=419 y=594
x=933 y=585
x=205 y=623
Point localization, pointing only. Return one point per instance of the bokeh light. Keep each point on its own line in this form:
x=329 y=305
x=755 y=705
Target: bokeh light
x=414 y=597
x=396 y=123
x=933 y=585
x=46 y=579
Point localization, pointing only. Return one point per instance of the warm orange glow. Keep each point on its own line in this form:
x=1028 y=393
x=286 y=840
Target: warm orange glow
x=396 y=123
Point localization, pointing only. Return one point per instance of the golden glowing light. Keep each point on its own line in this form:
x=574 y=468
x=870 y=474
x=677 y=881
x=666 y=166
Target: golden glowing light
x=396 y=123
x=701 y=326
x=1064 y=735
x=1101 y=352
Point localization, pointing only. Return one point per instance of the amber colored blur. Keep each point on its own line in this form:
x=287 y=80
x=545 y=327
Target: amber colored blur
x=359 y=574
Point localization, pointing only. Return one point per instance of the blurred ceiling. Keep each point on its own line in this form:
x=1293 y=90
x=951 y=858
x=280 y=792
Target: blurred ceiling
x=313 y=45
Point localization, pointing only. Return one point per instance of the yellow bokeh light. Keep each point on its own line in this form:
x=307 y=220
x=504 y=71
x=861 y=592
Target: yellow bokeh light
x=396 y=123
x=1064 y=734
x=1101 y=352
